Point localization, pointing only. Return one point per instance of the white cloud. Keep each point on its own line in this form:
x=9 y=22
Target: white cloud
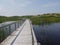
x=12 y=7
x=12 y=2
x=0 y=8
x=50 y=4
x=20 y=7
x=24 y=4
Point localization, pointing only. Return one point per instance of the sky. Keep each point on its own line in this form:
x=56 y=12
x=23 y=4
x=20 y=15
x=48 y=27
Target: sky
x=28 y=7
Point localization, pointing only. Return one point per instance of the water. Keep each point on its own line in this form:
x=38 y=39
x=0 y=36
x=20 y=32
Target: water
x=48 y=34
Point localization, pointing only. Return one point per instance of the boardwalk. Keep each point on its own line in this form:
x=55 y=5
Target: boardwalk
x=25 y=37
x=22 y=36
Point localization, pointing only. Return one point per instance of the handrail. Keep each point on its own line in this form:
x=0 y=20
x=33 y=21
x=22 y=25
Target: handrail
x=7 y=24
x=34 y=40
x=8 y=28
x=17 y=34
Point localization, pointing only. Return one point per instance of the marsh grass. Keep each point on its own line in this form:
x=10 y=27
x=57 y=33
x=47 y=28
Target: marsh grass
x=36 y=20
x=2 y=35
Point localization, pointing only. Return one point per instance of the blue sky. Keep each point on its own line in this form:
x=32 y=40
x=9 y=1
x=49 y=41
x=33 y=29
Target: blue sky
x=28 y=7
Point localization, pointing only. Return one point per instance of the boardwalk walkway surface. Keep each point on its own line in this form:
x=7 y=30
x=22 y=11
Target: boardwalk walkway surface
x=25 y=37
x=22 y=36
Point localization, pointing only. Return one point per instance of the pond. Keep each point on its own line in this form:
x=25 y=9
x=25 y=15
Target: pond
x=48 y=34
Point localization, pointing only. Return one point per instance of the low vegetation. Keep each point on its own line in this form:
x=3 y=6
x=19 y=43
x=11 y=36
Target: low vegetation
x=2 y=35
x=36 y=20
x=39 y=19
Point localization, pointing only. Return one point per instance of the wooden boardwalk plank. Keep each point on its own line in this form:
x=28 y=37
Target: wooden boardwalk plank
x=25 y=37
x=22 y=36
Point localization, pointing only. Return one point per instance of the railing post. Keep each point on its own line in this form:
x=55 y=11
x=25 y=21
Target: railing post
x=18 y=24
x=34 y=40
x=9 y=29
x=15 y=25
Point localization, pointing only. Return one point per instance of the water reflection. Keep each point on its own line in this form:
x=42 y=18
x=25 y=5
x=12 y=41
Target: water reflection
x=48 y=34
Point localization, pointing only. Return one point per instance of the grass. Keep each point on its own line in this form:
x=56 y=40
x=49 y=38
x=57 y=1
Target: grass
x=2 y=35
x=36 y=20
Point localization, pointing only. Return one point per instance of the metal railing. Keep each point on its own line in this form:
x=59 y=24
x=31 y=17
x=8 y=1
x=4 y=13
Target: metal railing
x=6 y=30
x=34 y=40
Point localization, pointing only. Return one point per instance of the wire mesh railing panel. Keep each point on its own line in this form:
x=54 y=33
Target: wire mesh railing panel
x=6 y=30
